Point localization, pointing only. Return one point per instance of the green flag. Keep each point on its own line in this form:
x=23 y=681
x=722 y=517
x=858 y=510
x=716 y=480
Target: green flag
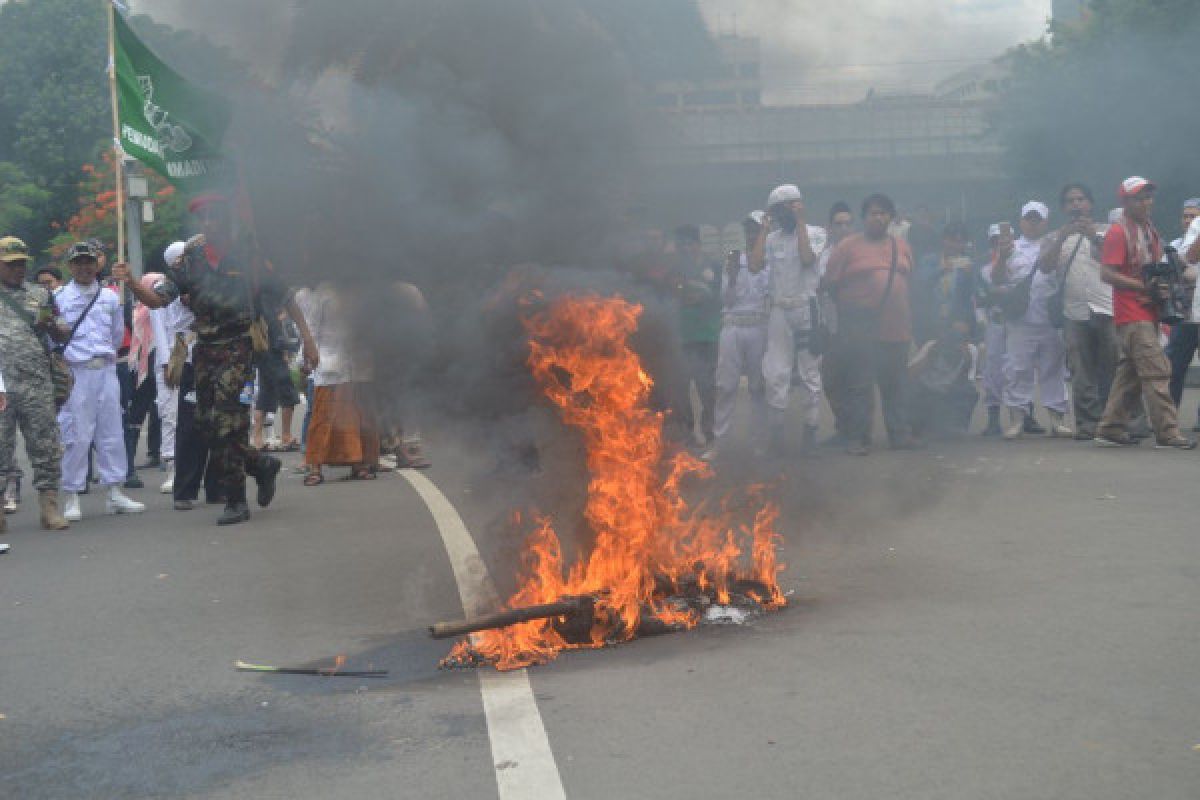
x=166 y=123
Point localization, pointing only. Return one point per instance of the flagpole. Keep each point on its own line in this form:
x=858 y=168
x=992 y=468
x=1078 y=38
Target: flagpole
x=118 y=153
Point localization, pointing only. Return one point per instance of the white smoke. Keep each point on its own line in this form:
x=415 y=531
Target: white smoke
x=817 y=51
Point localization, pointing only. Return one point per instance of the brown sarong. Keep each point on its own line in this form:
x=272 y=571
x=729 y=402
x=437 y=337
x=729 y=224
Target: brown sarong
x=342 y=431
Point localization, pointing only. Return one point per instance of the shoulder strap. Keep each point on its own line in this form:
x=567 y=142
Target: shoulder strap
x=1071 y=260
x=75 y=328
x=887 y=290
x=20 y=312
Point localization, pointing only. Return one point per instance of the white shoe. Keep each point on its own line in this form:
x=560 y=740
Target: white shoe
x=70 y=510
x=1016 y=424
x=709 y=453
x=1058 y=427
x=118 y=503
x=168 y=486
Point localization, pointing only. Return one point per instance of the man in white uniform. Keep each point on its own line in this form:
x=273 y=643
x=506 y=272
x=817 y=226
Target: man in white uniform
x=92 y=414
x=790 y=251
x=166 y=397
x=1034 y=350
x=743 y=339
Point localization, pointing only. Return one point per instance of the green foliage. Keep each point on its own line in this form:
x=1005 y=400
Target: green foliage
x=22 y=202
x=55 y=114
x=1111 y=98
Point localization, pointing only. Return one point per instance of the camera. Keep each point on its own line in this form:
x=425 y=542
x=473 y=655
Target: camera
x=1164 y=280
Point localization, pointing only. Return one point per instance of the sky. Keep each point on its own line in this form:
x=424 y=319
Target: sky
x=822 y=51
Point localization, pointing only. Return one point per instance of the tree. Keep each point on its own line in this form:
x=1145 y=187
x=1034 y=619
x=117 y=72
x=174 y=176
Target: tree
x=96 y=216
x=55 y=114
x=1107 y=99
x=22 y=202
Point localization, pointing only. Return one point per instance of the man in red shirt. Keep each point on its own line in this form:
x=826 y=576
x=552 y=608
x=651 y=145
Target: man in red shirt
x=1143 y=368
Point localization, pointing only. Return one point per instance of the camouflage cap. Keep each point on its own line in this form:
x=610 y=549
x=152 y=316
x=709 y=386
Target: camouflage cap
x=13 y=249
x=81 y=250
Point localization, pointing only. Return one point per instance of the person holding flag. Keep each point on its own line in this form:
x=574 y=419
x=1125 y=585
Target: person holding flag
x=229 y=292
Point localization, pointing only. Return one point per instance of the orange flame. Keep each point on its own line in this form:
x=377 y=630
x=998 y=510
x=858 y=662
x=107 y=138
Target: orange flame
x=648 y=541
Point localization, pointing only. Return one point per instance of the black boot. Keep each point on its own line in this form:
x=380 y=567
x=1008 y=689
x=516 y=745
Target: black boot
x=132 y=434
x=236 y=510
x=993 y=424
x=268 y=470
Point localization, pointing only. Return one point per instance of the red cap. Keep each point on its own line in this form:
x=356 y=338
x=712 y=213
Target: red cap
x=204 y=200
x=1132 y=187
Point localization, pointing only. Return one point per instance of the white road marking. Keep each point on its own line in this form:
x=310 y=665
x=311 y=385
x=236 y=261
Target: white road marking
x=521 y=754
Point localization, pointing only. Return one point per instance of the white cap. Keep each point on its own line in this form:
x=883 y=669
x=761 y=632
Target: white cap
x=993 y=230
x=758 y=216
x=173 y=252
x=1035 y=207
x=784 y=194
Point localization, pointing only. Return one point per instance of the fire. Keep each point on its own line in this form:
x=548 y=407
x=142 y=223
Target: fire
x=649 y=543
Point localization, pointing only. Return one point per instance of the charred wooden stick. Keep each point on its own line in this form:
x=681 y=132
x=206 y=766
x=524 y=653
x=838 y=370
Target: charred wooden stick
x=324 y=672
x=570 y=607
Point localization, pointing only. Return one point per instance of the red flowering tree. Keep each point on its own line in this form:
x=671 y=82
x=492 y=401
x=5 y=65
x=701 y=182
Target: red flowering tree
x=97 y=214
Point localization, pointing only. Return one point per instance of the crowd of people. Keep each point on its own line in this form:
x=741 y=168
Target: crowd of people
x=1069 y=316
x=205 y=351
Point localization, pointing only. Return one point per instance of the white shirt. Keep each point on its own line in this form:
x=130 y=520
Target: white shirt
x=792 y=284
x=1086 y=293
x=749 y=290
x=1185 y=244
x=103 y=330
x=329 y=332
x=1024 y=259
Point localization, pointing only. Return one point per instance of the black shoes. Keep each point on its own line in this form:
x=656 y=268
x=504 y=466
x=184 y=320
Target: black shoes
x=184 y=505
x=234 y=513
x=266 y=476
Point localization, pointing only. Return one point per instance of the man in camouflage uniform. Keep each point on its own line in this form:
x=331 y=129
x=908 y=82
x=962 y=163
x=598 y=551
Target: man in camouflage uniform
x=227 y=292
x=27 y=315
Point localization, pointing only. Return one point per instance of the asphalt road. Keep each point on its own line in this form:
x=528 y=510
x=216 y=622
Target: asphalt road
x=977 y=620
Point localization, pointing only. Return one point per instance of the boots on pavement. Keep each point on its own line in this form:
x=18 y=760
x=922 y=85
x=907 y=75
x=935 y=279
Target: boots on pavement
x=52 y=518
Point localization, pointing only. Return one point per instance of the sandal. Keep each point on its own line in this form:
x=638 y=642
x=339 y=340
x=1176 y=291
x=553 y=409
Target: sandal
x=362 y=474
x=314 y=478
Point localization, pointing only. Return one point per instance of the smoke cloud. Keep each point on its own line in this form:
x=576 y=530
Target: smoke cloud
x=816 y=51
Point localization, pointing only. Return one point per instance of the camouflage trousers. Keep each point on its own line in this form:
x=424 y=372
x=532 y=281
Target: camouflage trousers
x=31 y=406
x=222 y=369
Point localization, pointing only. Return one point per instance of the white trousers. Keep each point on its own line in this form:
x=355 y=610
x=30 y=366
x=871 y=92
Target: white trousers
x=740 y=351
x=993 y=365
x=167 y=400
x=782 y=358
x=1035 y=354
x=93 y=415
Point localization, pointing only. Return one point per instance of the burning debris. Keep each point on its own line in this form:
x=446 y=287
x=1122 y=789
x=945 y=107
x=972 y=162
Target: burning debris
x=657 y=563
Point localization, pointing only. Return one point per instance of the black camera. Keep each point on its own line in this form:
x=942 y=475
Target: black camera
x=1164 y=280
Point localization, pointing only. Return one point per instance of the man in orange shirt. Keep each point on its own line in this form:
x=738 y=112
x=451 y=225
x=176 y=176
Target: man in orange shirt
x=868 y=276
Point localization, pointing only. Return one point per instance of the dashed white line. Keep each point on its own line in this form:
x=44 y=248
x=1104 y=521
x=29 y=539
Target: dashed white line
x=521 y=755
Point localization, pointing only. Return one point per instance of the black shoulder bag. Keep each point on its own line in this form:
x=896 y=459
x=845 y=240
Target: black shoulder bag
x=1056 y=308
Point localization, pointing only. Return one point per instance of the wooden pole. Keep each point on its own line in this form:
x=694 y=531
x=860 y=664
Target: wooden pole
x=118 y=152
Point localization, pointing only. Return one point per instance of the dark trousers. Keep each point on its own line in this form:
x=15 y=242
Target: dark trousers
x=191 y=450
x=1092 y=350
x=222 y=370
x=1181 y=349
x=864 y=364
x=700 y=361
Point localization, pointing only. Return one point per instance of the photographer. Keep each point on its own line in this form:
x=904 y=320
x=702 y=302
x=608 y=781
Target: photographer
x=1142 y=368
x=1087 y=308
